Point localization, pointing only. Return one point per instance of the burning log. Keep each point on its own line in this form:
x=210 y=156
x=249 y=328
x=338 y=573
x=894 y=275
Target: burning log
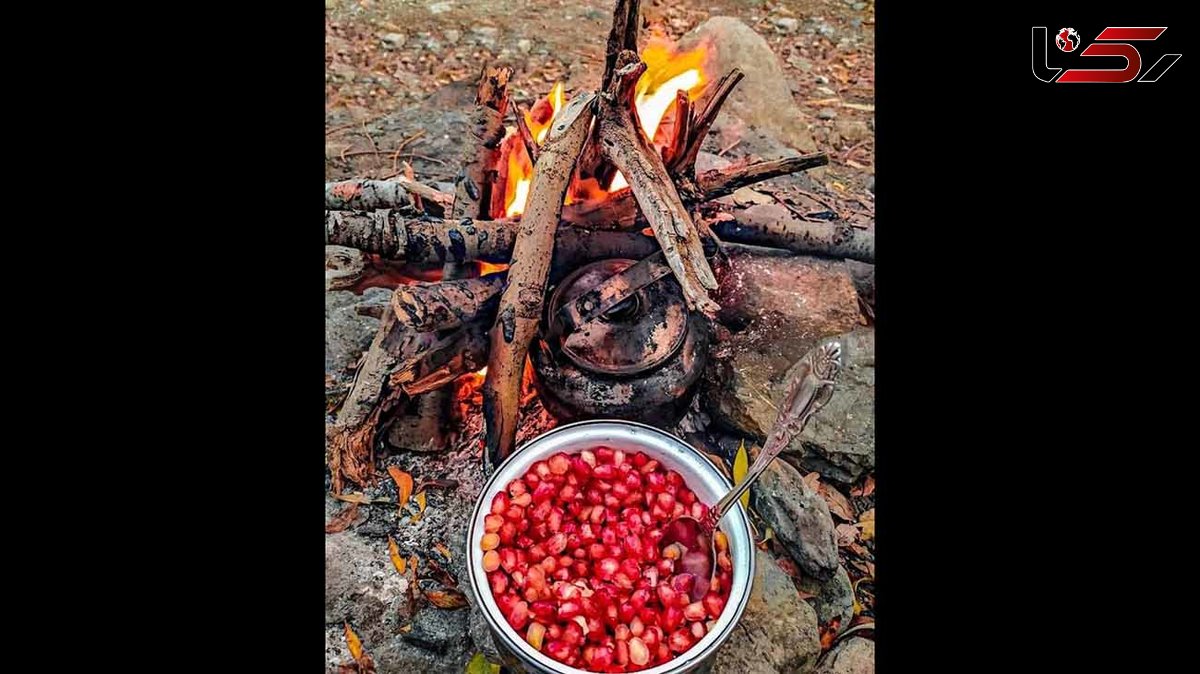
x=427 y=307
x=531 y=146
x=521 y=303
x=622 y=143
x=410 y=197
x=778 y=228
x=718 y=183
x=474 y=185
x=344 y=267
x=465 y=351
x=706 y=110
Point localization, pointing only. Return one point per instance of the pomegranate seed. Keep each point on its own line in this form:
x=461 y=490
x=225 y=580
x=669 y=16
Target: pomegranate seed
x=648 y=467
x=521 y=500
x=626 y=612
x=515 y=513
x=664 y=653
x=543 y=610
x=595 y=629
x=604 y=454
x=666 y=594
x=698 y=630
x=724 y=562
x=639 y=654
x=622 y=633
x=639 y=598
x=534 y=636
x=491 y=560
x=673 y=551
x=588 y=457
x=605 y=471
x=636 y=627
x=674 y=479
x=569 y=609
x=683 y=582
x=680 y=641
x=699 y=511
x=655 y=483
x=666 y=567
x=543 y=493
x=508 y=559
x=556 y=544
x=573 y=634
x=618 y=457
x=581 y=568
x=519 y=615
x=489 y=542
x=695 y=611
x=499 y=582
x=652 y=636
x=713 y=604
x=492 y=523
x=500 y=503
x=622 y=654
x=541 y=469
x=602 y=657
x=672 y=617
x=567 y=493
x=565 y=591
x=665 y=500
x=537 y=551
x=686 y=496
x=559 y=650
x=554 y=631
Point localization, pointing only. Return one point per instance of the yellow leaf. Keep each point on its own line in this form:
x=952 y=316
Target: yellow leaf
x=478 y=665
x=352 y=640
x=445 y=552
x=413 y=561
x=741 y=463
x=420 y=498
x=406 y=629
x=404 y=483
x=394 y=553
x=867 y=522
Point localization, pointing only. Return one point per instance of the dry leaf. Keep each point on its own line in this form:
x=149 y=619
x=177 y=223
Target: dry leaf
x=397 y=560
x=439 y=574
x=404 y=483
x=869 y=485
x=812 y=480
x=838 y=504
x=858 y=607
x=858 y=550
x=406 y=629
x=449 y=598
x=342 y=520
x=741 y=463
x=867 y=522
x=352 y=640
x=353 y=497
x=420 y=498
x=445 y=552
x=480 y=665
x=847 y=534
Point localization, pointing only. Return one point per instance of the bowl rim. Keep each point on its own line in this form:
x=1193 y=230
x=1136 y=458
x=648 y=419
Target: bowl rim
x=521 y=648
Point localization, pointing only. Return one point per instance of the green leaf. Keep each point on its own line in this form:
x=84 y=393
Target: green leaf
x=741 y=463
x=480 y=665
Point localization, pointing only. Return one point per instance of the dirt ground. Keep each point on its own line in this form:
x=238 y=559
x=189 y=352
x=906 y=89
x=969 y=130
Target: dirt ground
x=384 y=57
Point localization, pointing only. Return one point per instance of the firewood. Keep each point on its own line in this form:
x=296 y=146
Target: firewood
x=521 y=303
x=369 y=195
x=704 y=114
x=723 y=182
x=343 y=267
x=426 y=307
x=621 y=37
x=778 y=228
x=474 y=184
x=531 y=146
x=677 y=148
x=622 y=142
x=465 y=351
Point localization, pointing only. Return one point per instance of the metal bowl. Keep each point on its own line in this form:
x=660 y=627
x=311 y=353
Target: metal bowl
x=701 y=476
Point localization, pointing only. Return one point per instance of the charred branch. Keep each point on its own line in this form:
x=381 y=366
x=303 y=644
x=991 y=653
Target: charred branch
x=775 y=227
x=474 y=185
x=426 y=307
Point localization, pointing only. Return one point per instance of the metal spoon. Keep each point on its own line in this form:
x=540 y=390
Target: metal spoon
x=808 y=390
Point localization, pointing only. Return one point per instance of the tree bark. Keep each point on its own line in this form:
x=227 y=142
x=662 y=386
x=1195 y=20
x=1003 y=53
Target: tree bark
x=521 y=303
x=775 y=227
x=427 y=307
x=622 y=142
x=370 y=195
x=473 y=186
x=621 y=37
x=391 y=235
x=718 y=183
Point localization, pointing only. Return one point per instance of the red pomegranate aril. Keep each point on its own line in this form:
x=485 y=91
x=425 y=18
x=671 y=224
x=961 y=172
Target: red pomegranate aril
x=604 y=454
x=595 y=630
x=639 y=459
x=492 y=523
x=569 y=609
x=655 y=483
x=515 y=512
x=618 y=458
x=685 y=496
x=666 y=594
x=581 y=569
x=520 y=500
x=636 y=627
x=508 y=559
x=695 y=611
x=519 y=615
x=573 y=634
x=598 y=515
x=549 y=565
x=543 y=493
x=699 y=630
x=648 y=467
x=543 y=610
x=623 y=580
x=537 y=551
x=665 y=500
x=556 y=544
x=621 y=656
x=567 y=493
x=500 y=503
x=639 y=653
x=627 y=612
x=680 y=640
x=683 y=582
x=724 y=562
x=663 y=652
x=713 y=604
x=674 y=478
x=666 y=567
x=558 y=649
x=541 y=469
x=605 y=471
x=602 y=657
x=672 y=617
x=653 y=635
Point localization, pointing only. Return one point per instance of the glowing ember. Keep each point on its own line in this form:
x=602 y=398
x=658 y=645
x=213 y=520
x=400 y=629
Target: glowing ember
x=486 y=268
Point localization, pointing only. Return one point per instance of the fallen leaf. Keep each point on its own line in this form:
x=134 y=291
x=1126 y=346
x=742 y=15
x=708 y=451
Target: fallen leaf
x=480 y=665
x=439 y=574
x=741 y=463
x=867 y=522
x=443 y=550
x=353 y=497
x=450 y=599
x=420 y=498
x=858 y=550
x=404 y=483
x=394 y=553
x=869 y=485
x=838 y=504
x=406 y=629
x=865 y=107
x=342 y=520
x=847 y=534
x=812 y=480
x=355 y=644
x=412 y=561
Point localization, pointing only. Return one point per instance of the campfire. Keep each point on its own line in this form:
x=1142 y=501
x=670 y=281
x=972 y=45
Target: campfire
x=576 y=268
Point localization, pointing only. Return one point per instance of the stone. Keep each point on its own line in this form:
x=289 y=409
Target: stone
x=778 y=632
x=393 y=40
x=440 y=7
x=524 y=45
x=858 y=6
x=855 y=655
x=852 y=130
x=834 y=598
x=786 y=24
x=362 y=586
x=800 y=518
x=452 y=36
x=826 y=113
x=348 y=334
x=780 y=307
x=763 y=98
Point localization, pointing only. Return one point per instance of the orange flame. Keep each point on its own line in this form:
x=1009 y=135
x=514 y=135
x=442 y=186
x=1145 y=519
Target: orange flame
x=667 y=72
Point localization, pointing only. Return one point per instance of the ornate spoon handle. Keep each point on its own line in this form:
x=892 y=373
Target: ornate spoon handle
x=808 y=391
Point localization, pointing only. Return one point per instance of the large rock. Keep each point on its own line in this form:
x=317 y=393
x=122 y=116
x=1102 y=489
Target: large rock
x=853 y=656
x=834 y=598
x=347 y=334
x=784 y=305
x=362 y=587
x=763 y=99
x=800 y=518
x=778 y=632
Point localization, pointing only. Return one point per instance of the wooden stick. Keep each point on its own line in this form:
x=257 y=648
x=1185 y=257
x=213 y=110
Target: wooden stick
x=521 y=303
x=677 y=148
x=531 y=146
x=773 y=226
x=369 y=195
x=344 y=267
x=706 y=109
x=622 y=142
x=466 y=351
x=426 y=307
x=622 y=37
x=473 y=185
x=722 y=182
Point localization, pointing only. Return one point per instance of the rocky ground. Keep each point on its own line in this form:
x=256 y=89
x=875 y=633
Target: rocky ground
x=400 y=79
